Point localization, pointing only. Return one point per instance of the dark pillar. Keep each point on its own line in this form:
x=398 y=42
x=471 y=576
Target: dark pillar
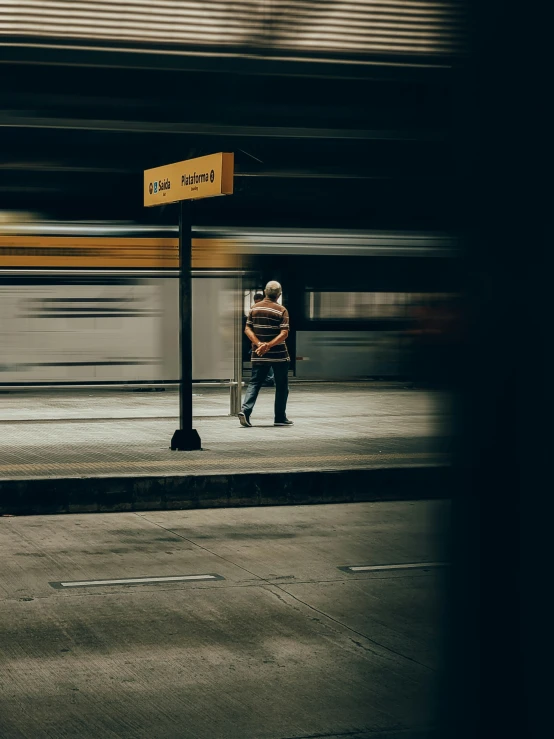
x=185 y=437
x=500 y=617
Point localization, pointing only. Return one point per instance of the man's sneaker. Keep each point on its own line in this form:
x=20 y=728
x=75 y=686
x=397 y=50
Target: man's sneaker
x=244 y=419
x=286 y=422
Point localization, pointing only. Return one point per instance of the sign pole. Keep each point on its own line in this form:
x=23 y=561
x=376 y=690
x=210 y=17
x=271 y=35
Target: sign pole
x=183 y=182
x=185 y=438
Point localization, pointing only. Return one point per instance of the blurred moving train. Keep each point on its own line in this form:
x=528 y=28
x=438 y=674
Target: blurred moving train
x=98 y=302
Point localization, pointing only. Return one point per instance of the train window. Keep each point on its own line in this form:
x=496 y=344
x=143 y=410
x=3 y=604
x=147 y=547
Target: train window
x=363 y=306
x=249 y=299
x=356 y=306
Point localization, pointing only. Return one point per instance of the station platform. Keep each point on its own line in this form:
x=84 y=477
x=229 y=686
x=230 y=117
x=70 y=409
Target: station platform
x=84 y=450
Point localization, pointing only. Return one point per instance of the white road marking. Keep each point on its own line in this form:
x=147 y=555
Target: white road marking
x=132 y=580
x=408 y=566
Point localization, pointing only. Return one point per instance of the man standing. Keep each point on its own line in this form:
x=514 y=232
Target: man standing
x=270 y=379
x=267 y=327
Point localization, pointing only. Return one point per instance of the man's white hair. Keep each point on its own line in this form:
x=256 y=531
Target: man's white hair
x=273 y=290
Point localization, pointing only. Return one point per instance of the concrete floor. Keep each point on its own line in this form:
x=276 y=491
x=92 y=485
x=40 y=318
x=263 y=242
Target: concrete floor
x=286 y=646
x=119 y=434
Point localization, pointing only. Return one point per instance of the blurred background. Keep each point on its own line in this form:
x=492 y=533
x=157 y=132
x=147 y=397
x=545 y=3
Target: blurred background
x=341 y=118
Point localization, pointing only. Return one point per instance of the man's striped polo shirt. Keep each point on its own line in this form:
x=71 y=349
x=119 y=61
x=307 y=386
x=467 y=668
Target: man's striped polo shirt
x=267 y=319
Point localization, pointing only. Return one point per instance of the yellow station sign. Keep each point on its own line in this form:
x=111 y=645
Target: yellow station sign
x=204 y=177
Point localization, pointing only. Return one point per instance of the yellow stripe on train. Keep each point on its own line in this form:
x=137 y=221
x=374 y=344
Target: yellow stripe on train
x=43 y=252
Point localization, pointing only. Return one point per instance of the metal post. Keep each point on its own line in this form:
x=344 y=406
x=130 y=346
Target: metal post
x=236 y=388
x=185 y=437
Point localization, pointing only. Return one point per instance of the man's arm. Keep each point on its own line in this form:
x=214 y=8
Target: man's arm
x=252 y=336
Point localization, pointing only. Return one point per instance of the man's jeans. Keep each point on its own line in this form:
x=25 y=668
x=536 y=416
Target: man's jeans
x=259 y=375
x=270 y=376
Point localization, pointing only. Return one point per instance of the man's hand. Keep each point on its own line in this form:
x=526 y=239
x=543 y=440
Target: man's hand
x=262 y=349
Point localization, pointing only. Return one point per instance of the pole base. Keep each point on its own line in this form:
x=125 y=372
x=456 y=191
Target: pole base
x=186 y=440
